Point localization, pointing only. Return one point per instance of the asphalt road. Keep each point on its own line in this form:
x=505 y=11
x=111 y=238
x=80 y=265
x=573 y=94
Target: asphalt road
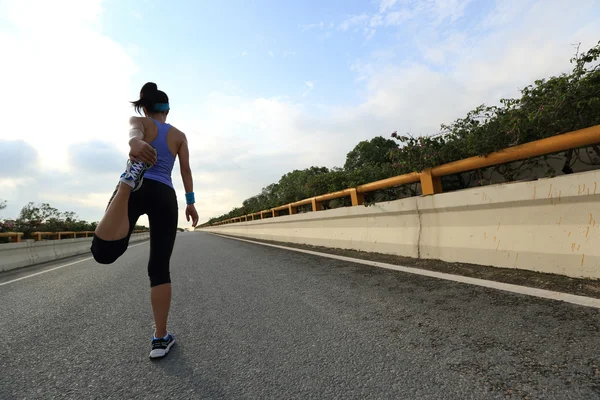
x=254 y=322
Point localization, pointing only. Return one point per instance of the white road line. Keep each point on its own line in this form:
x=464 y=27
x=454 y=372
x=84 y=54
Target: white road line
x=543 y=293
x=59 y=267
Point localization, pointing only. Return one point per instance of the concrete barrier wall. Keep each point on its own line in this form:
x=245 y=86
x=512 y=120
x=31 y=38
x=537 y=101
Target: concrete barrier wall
x=17 y=255
x=547 y=225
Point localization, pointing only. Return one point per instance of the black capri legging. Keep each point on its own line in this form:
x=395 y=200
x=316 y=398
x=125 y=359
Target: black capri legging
x=159 y=202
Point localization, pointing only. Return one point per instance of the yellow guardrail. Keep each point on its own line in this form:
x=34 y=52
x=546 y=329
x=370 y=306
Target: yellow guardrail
x=430 y=179
x=57 y=235
x=12 y=235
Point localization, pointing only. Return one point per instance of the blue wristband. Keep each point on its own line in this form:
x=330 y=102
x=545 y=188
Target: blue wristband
x=189 y=198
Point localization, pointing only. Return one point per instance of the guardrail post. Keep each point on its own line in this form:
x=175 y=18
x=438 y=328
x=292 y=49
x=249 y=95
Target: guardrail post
x=316 y=205
x=293 y=210
x=357 y=198
x=274 y=213
x=429 y=183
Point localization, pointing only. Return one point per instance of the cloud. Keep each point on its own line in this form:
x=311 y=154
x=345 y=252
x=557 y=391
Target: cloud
x=250 y=143
x=319 y=26
x=136 y=14
x=96 y=157
x=369 y=33
x=64 y=85
x=289 y=54
x=244 y=53
x=353 y=20
x=309 y=87
x=60 y=59
x=18 y=158
x=385 y=5
x=426 y=14
x=309 y=27
x=271 y=54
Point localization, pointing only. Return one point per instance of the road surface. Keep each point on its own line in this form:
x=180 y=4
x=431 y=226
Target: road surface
x=255 y=322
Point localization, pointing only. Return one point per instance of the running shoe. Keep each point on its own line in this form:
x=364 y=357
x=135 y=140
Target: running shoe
x=161 y=346
x=134 y=174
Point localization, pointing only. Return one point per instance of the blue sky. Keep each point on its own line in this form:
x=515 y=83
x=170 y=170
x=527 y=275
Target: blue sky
x=260 y=87
x=263 y=48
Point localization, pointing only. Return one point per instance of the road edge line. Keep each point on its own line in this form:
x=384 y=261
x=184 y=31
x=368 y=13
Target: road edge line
x=60 y=266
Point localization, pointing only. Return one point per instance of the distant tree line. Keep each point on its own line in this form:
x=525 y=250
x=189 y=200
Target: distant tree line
x=45 y=218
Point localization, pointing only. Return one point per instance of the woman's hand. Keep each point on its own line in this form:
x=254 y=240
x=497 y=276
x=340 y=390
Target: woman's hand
x=190 y=212
x=141 y=151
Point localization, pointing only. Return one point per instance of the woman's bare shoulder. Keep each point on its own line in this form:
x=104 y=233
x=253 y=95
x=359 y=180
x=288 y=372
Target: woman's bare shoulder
x=179 y=133
x=145 y=121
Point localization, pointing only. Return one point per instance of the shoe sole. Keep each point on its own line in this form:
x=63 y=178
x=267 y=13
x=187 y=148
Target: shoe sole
x=159 y=353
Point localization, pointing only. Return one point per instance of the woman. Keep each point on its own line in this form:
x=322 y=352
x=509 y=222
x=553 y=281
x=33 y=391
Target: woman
x=146 y=188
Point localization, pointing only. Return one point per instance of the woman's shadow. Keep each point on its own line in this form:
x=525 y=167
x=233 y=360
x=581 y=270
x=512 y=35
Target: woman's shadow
x=193 y=383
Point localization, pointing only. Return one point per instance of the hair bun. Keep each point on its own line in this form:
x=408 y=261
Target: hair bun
x=148 y=89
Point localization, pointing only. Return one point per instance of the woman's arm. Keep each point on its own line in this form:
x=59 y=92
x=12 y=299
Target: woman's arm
x=188 y=181
x=139 y=149
x=184 y=166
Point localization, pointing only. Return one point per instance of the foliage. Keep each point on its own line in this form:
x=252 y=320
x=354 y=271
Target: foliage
x=45 y=218
x=372 y=152
x=548 y=107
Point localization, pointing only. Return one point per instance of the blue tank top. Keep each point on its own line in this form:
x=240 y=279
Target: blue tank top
x=161 y=170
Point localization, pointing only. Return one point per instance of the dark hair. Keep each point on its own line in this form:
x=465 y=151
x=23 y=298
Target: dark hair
x=150 y=96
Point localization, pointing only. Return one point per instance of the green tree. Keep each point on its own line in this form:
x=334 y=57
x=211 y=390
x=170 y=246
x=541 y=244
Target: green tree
x=299 y=184
x=372 y=152
x=33 y=217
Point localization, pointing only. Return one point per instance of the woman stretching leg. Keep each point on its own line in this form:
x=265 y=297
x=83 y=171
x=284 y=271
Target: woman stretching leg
x=146 y=188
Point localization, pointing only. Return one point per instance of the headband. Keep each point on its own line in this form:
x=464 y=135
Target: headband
x=161 y=107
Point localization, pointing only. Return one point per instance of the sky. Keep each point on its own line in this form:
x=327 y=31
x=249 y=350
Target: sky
x=259 y=87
